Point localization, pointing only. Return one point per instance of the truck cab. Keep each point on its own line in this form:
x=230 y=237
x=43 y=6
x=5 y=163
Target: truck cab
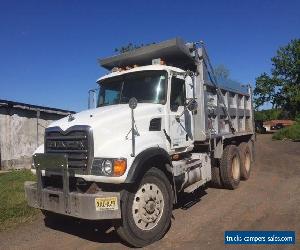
x=157 y=129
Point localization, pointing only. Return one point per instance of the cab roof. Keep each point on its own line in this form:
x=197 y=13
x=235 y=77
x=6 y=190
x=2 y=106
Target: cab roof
x=141 y=68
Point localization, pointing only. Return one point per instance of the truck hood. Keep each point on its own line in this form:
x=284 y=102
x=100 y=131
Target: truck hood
x=115 y=113
x=111 y=126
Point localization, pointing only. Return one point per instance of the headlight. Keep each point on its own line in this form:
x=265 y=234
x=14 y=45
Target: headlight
x=109 y=167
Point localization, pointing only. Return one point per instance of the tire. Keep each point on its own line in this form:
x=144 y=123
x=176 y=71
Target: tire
x=230 y=167
x=146 y=212
x=246 y=162
x=215 y=175
x=252 y=150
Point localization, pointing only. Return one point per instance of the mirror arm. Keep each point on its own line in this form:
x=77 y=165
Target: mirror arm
x=132 y=134
x=177 y=117
x=132 y=105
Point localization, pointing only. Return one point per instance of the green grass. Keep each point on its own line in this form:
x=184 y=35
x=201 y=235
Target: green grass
x=292 y=132
x=13 y=206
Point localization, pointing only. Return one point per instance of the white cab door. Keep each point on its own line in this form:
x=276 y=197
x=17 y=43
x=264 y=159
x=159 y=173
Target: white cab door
x=181 y=125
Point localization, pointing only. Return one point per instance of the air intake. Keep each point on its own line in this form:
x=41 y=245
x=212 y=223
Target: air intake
x=155 y=124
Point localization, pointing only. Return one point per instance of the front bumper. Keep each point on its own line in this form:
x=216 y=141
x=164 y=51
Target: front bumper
x=62 y=201
x=79 y=205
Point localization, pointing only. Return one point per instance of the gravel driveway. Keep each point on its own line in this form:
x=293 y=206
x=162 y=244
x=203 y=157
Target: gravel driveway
x=269 y=200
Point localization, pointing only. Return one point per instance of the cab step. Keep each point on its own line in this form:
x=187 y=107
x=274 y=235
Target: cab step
x=194 y=186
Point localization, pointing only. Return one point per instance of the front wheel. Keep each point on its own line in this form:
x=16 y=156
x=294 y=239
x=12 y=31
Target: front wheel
x=146 y=212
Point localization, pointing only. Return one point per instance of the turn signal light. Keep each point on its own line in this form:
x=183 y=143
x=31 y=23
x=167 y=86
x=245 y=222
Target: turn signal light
x=119 y=167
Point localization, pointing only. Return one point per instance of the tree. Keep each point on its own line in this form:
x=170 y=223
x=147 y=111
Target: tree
x=282 y=87
x=221 y=72
x=127 y=48
x=130 y=46
x=269 y=114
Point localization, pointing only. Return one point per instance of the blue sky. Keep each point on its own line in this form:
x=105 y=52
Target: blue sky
x=49 y=49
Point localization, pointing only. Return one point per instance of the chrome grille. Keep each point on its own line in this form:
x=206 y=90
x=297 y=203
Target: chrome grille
x=76 y=143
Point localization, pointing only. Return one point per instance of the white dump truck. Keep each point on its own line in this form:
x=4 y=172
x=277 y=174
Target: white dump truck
x=162 y=126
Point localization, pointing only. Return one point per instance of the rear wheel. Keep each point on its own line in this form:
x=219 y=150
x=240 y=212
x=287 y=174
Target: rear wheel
x=246 y=163
x=146 y=212
x=230 y=167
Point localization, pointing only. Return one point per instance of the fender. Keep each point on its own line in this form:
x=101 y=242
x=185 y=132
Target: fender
x=137 y=168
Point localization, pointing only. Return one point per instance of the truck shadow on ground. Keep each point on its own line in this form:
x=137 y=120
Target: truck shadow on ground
x=187 y=200
x=96 y=231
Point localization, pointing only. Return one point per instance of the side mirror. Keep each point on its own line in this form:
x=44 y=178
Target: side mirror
x=133 y=103
x=192 y=105
x=92 y=101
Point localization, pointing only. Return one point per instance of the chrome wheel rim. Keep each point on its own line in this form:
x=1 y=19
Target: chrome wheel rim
x=235 y=167
x=148 y=206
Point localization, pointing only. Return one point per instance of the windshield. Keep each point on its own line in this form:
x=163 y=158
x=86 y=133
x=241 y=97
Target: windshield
x=145 y=86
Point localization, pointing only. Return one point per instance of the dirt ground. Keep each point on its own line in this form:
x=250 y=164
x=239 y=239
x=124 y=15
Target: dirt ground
x=269 y=200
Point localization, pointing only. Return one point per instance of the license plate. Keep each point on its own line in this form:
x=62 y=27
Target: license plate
x=107 y=203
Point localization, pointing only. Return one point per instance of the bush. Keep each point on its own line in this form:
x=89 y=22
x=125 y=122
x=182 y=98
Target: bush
x=292 y=132
x=269 y=114
x=297 y=118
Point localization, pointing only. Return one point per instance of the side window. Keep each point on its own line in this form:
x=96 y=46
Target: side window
x=177 y=93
